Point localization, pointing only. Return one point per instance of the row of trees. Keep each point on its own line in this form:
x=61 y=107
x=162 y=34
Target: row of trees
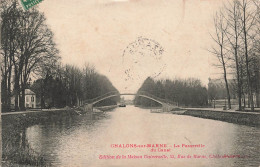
x=72 y=86
x=28 y=52
x=217 y=90
x=237 y=47
x=26 y=46
x=188 y=92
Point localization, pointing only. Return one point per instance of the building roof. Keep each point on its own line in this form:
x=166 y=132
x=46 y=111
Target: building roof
x=29 y=92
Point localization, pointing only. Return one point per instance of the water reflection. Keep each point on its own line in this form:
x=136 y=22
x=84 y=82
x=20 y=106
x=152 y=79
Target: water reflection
x=73 y=140
x=34 y=138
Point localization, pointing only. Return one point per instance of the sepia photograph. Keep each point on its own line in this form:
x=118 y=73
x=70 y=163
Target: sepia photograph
x=123 y=83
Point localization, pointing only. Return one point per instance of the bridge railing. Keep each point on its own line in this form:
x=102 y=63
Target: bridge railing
x=100 y=97
x=157 y=98
x=138 y=93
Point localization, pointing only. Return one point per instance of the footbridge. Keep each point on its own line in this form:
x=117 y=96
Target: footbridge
x=166 y=104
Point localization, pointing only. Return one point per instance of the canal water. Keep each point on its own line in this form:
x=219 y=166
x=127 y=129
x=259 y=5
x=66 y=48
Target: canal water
x=127 y=137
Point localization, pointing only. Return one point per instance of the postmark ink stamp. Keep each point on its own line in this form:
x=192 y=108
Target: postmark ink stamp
x=143 y=57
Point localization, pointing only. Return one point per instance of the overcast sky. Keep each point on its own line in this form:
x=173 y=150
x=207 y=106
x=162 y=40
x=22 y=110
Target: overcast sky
x=98 y=32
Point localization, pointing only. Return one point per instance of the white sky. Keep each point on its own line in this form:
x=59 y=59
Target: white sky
x=98 y=31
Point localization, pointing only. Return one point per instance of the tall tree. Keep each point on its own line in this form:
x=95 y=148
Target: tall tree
x=233 y=33
x=9 y=32
x=219 y=50
x=248 y=23
x=36 y=46
x=26 y=44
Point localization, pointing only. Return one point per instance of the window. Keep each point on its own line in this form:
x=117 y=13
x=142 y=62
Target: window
x=32 y=99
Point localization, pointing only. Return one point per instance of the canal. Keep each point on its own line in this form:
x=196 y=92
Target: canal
x=129 y=133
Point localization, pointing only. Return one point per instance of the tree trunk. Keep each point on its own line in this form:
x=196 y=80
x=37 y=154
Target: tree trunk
x=42 y=96
x=257 y=90
x=225 y=77
x=22 y=95
x=16 y=94
x=248 y=101
x=250 y=93
x=22 y=104
x=239 y=93
x=244 y=101
x=257 y=99
x=227 y=89
x=257 y=84
x=4 y=85
x=4 y=94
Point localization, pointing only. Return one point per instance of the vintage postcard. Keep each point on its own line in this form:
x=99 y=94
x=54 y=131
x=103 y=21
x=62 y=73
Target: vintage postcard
x=123 y=83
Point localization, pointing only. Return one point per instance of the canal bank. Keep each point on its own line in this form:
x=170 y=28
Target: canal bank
x=19 y=128
x=106 y=108
x=232 y=116
x=143 y=107
x=24 y=155
x=36 y=111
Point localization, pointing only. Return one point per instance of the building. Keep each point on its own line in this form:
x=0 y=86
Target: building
x=30 y=99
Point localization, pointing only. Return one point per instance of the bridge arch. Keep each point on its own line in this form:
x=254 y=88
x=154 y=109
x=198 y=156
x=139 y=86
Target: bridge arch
x=121 y=94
